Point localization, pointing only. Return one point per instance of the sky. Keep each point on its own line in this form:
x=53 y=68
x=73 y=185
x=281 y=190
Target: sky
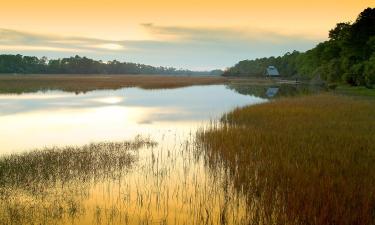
x=191 y=34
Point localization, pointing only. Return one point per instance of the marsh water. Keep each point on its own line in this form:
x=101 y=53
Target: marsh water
x=163 y=183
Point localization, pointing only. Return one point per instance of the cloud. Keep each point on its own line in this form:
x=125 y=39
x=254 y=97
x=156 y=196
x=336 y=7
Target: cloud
x=221 y=33
x=178 y=46
x=19 y=40
x=38 y=48
x=222 y=46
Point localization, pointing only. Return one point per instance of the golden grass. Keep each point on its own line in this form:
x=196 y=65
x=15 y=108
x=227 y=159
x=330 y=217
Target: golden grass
x=84 y=83
x=47 y=186
x=64 y=164
x=134 y=182
x=306 y=160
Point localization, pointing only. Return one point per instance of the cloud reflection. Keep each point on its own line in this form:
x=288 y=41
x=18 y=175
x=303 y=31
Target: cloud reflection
x=58 y=118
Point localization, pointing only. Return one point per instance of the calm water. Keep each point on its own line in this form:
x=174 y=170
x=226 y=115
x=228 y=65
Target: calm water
x=163 y=184
x=55 y=118
x=111 y=182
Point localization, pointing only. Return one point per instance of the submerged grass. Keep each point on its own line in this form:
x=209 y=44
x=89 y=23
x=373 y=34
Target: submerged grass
x=48 y=185
x=61 y=164
x=102 y=184
x=306 y=160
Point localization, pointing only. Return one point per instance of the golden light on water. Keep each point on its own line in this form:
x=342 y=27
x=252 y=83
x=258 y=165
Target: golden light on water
x=70 y=126
x=123 y=183
x=110 y=100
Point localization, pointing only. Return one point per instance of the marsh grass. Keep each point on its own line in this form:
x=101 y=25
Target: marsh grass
x=109 y=183
x=85 y=83
x=62 y=164
x=355 y=91
x=48 y=185
x=305 y=160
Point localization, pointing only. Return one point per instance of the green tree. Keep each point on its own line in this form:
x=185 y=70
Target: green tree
x=369 y=72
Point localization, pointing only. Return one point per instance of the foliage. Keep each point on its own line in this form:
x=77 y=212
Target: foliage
x=347 y=56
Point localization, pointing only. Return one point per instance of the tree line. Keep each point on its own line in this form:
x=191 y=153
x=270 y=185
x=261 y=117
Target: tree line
x=19 y=64
x=347 y=56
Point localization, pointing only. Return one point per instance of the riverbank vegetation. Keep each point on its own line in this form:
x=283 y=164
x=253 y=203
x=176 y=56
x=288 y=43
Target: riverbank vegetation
x=348 y=56
x=305 y=160
x=359 y=91
x=84 y=83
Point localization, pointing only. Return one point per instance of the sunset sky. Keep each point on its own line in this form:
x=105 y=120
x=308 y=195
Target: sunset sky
x=181 y=33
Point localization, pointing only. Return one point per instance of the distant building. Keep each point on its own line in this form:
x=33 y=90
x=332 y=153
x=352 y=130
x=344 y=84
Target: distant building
x=272 y=71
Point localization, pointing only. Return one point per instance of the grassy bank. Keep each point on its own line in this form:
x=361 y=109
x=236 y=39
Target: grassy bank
x=355 y=91
x=84 y=83
x=305 y=160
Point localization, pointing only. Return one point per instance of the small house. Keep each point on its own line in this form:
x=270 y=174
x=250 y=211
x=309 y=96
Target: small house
x=272 y=71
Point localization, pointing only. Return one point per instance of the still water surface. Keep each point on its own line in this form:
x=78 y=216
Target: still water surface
x=113 y=183
x=56 y=118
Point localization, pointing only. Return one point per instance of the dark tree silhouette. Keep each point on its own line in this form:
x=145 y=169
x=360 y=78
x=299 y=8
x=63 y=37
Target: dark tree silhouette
x=82 y=65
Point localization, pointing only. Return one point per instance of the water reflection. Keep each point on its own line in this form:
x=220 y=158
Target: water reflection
x=107 y=183
x=274 y=91
x=59 y=118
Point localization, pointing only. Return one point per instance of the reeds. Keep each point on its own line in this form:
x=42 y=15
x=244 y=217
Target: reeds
x=306 y=160
x=84 y=83
x=163 y=184
x=44 y=186
x=56 y=164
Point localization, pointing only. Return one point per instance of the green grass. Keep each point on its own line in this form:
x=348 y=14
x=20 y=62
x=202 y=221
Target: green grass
x=355 y=91
x=305 y=160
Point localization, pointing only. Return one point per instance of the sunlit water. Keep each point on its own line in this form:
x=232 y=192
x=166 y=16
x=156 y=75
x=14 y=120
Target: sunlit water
x=166 y=184
x=56 y=118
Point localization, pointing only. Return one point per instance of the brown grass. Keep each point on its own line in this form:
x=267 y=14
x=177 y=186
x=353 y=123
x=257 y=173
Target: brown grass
x=47 y=166
x=84 y=83
x=49 y=186
x=306 y=160
x=136 y=182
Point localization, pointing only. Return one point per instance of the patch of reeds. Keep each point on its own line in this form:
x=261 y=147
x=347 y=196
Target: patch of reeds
x=85 y=83
x=166 y=185
x=61 y=164
x=49 y=185
x=306 y=160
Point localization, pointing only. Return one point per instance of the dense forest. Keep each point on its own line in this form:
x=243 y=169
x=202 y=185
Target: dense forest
x=348 y=56
x=18 y=64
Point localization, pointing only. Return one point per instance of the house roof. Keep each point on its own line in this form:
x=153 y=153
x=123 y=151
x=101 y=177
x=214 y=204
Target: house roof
x=272 y=71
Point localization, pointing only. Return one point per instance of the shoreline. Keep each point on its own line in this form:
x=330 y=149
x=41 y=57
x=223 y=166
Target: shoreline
x=84 y=83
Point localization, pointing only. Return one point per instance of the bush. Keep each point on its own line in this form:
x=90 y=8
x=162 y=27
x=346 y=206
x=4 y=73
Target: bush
x=369 y=72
